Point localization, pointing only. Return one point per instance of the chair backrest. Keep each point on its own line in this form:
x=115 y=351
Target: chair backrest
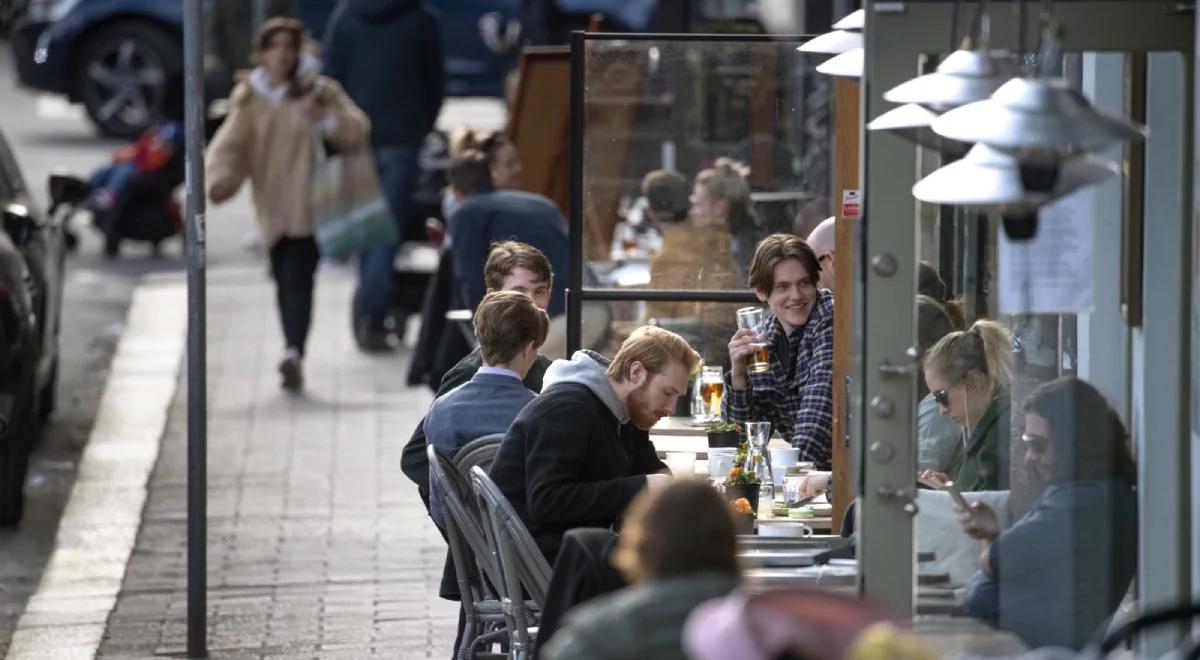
x=516 y=544
x=481 y=451
x=465 y=527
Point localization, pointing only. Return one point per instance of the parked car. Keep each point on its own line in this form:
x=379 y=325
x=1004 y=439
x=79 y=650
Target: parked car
x=31 y=284
x=114 y=56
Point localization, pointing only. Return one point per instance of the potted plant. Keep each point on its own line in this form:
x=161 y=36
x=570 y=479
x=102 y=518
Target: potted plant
x=740 y=483
x=724 y=434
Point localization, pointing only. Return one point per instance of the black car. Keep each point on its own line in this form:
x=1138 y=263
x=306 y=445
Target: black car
x=31 y=284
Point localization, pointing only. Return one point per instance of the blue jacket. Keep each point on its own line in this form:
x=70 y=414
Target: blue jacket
x=501 y=215
x=486 y=404
x=387 y=54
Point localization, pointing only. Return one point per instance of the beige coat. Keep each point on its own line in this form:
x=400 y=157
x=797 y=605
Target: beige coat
x=275 y=146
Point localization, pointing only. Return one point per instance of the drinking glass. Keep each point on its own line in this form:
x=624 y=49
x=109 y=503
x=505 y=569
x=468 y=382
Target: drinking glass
x=712 y=387
x=754 y=320
x=682 y=464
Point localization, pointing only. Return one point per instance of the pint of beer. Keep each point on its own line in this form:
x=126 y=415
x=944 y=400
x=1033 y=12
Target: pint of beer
x=712 y=386
x=753 y=319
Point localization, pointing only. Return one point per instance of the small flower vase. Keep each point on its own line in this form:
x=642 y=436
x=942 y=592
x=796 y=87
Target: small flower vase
x=724 y=439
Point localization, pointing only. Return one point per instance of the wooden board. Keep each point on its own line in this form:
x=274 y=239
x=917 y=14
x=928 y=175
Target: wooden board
x=847 y=128
x=540 y=122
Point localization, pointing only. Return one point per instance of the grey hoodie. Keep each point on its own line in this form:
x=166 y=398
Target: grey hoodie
x=587 y=368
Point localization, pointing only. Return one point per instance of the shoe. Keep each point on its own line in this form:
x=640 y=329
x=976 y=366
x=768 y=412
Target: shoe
x=292 y=370
x=373 y=337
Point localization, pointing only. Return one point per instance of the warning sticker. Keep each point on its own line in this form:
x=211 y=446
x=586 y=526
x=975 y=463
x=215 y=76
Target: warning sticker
x=851 y=203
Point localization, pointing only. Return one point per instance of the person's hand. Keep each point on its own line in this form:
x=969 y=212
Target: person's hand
x=933 y=479
x=815 y=483
x=242 y=75
x=741 y=347
x=658 y=481
x=979 y=521
x=312 y=107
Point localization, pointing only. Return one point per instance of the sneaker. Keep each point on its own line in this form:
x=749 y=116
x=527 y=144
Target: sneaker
x=291 y=370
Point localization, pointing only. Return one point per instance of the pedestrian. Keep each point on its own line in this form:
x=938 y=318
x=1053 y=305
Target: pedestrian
x=270 y=136
x=387 y=54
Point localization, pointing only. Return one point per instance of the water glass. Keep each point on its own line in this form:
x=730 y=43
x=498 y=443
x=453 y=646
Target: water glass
x=682 y=464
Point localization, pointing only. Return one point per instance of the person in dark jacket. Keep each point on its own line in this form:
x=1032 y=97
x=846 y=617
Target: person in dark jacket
x=489 y=215
x=511 y=266
x=387 y=54
x=578 y=454
x=1059 y=572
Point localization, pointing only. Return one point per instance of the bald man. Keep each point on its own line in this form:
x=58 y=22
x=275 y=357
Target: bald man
x=821 y=240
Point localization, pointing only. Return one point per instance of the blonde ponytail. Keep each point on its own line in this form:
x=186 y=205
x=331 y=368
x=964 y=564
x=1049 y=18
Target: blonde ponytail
x=985 y=347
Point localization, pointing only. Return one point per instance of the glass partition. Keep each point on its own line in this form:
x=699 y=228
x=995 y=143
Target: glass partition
x=690 y=149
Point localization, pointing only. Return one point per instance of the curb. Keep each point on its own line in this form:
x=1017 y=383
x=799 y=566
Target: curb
x=67 y=615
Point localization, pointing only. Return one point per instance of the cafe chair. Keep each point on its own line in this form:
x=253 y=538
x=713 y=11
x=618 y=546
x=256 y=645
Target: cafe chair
x=524 y=569
x=481 y=451
x=476 y=568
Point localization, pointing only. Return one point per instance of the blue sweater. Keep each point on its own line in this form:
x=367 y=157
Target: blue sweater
x=486 y=404
x=501 y=215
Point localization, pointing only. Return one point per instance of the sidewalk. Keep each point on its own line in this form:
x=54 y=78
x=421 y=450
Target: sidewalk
x=318 y=545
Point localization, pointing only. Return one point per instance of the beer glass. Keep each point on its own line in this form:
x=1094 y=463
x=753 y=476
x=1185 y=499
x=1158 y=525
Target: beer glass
x=753 y=319
x=712 y=386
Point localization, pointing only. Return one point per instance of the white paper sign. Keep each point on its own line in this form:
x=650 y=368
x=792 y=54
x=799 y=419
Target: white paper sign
x=1051 y=273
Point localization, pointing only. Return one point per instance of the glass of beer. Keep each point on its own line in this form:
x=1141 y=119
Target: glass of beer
x=712 y=387
x=754 y=320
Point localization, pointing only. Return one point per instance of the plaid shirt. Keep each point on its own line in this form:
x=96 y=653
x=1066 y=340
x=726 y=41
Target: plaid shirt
x=795 y=394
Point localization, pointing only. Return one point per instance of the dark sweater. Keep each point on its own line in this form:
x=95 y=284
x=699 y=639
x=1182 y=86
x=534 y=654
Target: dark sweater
x=567 y=462
x=502 y=215
x=387 y=54
x=413 y=461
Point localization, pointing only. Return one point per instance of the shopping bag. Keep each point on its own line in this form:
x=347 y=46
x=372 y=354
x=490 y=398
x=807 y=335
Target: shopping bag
x=349 y=211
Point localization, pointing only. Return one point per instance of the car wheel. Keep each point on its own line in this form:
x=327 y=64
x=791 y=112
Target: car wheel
x=14 y=461
x=122 y=75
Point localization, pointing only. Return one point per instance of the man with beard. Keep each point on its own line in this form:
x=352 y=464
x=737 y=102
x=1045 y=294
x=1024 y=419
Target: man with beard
x=795 y=393
x=578 y=453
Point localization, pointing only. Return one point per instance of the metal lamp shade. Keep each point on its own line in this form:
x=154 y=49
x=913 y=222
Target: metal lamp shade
x=847 y=65
x=855 y=20
x=965 y=76
x=833 y=43
x=994 y=180
x=912 y=122
x=1039 y=120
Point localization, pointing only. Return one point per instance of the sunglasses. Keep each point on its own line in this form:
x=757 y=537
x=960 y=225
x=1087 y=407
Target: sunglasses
x=942 y=397
x=1037 y=443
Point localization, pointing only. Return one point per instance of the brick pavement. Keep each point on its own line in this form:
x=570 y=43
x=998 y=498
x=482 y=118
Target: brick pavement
x=318 y=545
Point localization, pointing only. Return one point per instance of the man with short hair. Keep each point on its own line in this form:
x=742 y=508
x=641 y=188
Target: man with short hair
x=510 y=328
x=822 y=241
x=795 y=393
x=488 y=215
x=511 y=266
x=578 y=454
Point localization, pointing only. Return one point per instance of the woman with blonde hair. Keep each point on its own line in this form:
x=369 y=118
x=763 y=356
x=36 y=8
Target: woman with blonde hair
x=969 y=375
x=277 y=116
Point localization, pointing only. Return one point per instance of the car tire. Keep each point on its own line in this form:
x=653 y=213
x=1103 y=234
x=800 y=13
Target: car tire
x=121 y=76
x=14 y=462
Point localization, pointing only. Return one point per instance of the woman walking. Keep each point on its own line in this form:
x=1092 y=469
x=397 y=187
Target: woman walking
x=271 y=135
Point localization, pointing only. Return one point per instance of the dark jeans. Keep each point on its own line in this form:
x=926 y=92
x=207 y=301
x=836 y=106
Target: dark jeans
x=294 y=265
x=398 y=169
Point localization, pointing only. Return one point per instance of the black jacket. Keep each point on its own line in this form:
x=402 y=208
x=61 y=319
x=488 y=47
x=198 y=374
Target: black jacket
x=387 y=54
x=413 y=461
x=568 y=462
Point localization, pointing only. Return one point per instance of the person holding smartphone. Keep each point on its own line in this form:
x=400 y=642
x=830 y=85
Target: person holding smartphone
x=1057 y=575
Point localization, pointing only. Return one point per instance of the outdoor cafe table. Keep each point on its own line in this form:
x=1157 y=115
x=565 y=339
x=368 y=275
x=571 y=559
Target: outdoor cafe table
x=681 y=434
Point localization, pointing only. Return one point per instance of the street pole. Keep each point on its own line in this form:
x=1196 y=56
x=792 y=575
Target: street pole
x=260 y=13
x=197 y=432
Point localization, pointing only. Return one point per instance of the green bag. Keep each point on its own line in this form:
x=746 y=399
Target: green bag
x=349 y=211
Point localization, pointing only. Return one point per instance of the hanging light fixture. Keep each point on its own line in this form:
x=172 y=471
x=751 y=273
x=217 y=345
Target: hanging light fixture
x=833 y=43
x=912 y=122
x=847 y=65
x=993 y=180
x=1040 y=120
x=963 y=77
x=855 y=20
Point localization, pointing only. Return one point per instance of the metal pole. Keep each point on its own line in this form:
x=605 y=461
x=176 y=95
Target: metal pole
x=197 y=436
x=260 y=13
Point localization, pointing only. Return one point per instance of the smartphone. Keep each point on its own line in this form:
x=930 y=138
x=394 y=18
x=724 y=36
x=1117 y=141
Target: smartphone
x=955 y=495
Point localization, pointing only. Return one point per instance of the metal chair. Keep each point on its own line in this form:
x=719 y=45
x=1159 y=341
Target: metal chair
x=524 y=568
x=480 y=451
x=476 y=567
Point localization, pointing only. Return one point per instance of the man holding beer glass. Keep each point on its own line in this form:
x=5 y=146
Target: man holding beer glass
x=782 y=362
